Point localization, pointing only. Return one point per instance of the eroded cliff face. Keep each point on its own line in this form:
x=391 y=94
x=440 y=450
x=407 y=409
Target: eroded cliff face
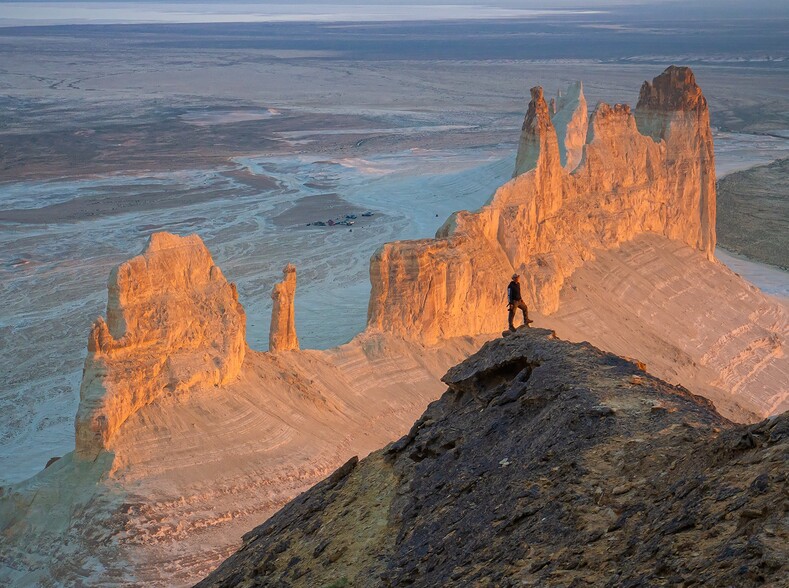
x=570 y=117
x=282 y=332
x=652 y=171
x=173 y=322
x=674 y=109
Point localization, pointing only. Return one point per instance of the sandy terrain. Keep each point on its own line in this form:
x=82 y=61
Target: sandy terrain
x=692 y=318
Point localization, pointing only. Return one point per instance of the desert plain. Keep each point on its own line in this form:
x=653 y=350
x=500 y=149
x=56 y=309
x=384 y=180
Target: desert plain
x=248 y=134
x=245 y=133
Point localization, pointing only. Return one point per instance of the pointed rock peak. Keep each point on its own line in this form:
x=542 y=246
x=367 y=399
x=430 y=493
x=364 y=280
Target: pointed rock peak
x=571 y=96
x=538 y=109
x=571 y=121
x=282 y=333
x=674 y=89
x=538 y=138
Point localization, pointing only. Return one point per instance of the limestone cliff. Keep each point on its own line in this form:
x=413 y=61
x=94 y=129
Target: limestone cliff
x=568 y=112
x=173 y=322
x=674 y=109
x=545 y=463
x=648 y=172
x=571 y=121
x=282 y=333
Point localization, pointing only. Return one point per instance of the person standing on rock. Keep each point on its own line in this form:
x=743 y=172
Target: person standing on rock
x=515 y=301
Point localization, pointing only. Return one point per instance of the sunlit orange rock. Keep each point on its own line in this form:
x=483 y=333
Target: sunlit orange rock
x=173 y=322
x=651 y=171
x=282 y=333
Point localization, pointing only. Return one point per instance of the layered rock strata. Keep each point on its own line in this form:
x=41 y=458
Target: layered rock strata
x=648 y=171
x=545 y=463
x=282 y=332
x=173 y=322
x=694 y=323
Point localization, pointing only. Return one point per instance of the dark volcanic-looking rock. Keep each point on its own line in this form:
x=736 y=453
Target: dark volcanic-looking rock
x=546 y=463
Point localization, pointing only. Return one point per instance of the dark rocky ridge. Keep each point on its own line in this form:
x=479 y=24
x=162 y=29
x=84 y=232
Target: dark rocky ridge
x=546 y=463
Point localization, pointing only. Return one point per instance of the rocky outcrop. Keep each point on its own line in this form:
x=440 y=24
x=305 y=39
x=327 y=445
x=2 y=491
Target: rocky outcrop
x=545 y=463
x=673 y=109
x=648 y=172
x=282 y=333
x=571 y=121
x=173 y=322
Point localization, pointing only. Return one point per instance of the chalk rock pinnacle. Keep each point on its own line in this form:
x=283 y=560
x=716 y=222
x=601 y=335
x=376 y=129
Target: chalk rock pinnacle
x=652 y=172
x=673 y=108
x=571 y=120
x=282 y=333
x=569 y=117
x=173 y=323
x=538 y=151
x=673 y=90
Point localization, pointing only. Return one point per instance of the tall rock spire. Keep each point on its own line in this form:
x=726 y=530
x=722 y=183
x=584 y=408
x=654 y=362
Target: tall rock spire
x=282 y=333
x=538 y=150
x=571 y=119
x=673 y=108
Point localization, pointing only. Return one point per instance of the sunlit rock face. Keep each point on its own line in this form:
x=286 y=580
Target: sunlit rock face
x=674 y=109
x=571 y=120
x=173 y=322
x=282 y=334
x=648 y=172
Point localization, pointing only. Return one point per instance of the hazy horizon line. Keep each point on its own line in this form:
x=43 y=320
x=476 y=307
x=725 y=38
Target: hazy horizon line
x=52 y=13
